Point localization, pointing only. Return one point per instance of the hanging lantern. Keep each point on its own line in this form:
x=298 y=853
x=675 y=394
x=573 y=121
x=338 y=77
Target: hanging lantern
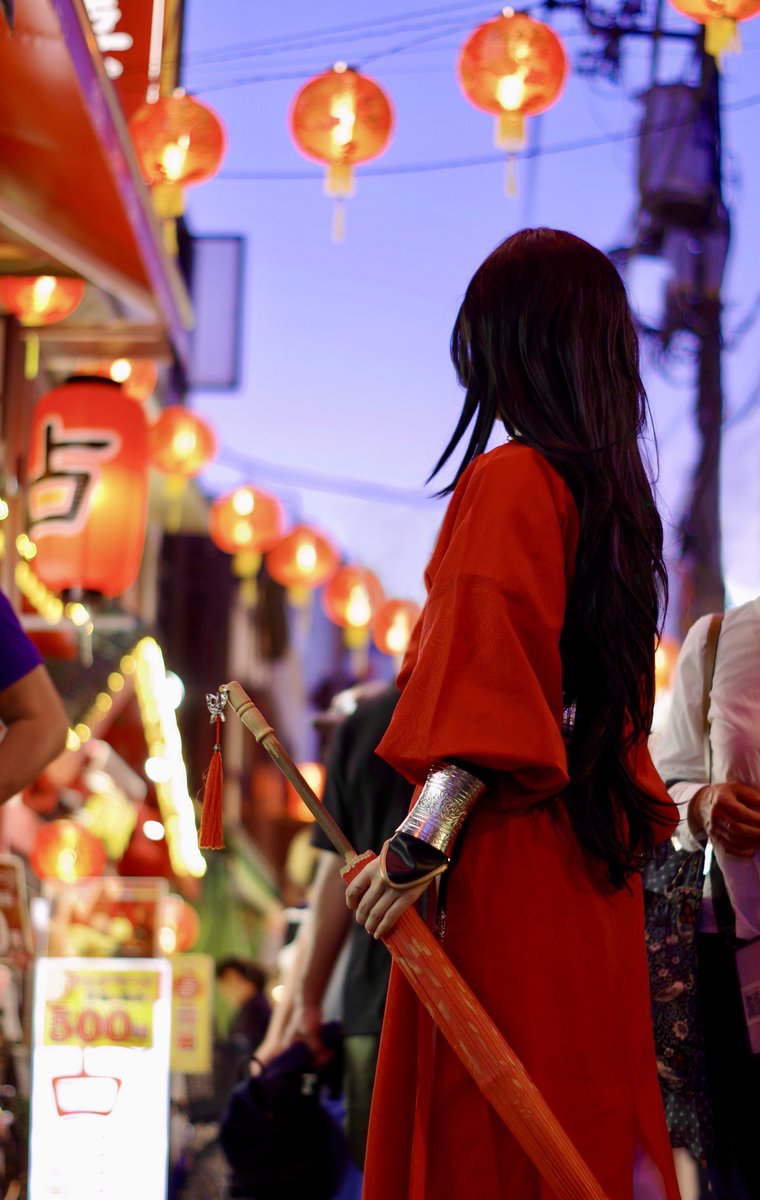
x=720 y=18
x=88 y=487
x=245 y=523
x=665 y=659
x=351 y=599
x=67 y=851
x=180 y=926
x=314 y=774
x=341 y=118
x=393 y=625
x=179 y=142
x=138 y=376
x=303 y=560
x=41 y=299
x=513 y=67
x=181 y=443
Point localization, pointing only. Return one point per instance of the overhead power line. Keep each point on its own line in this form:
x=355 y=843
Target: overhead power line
x=337 y=485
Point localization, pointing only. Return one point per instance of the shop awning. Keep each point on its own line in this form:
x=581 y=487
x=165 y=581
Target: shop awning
x=71 y=197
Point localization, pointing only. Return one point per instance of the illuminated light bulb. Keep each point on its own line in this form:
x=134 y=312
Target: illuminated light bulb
x=73 y=740
x=154 y=831
x=103 y=702
x=77 y=613
x=167 y=939
x=67 y=865
x=42 y=291
x=344 y=112
x=511 y=92
x=278 y=991
x=158 y=769
x=243 y=502
x=83 y=732
x=184 y=441
x=358 y=609
x=4 y=509
x=306 y=557
x=115 y=681
x=128 y=664
x=397 y=636
x=242 y=533
x=174 y=157
x=507 y=12
x=120 y=370
x=175 y=690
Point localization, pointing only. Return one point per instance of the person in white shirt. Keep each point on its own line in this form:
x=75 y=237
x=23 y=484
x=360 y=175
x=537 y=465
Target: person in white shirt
x=723 y=814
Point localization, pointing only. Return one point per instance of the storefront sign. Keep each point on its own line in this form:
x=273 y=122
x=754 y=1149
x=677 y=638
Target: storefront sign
x=129 y=34
x=100 y=1083
x=192 y=990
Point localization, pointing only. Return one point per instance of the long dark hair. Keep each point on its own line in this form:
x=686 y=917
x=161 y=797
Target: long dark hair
x=545 y=342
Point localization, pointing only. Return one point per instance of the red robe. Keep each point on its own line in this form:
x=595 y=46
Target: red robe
x=555 y=956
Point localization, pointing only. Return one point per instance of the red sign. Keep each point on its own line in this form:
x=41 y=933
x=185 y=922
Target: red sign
x=129 y=34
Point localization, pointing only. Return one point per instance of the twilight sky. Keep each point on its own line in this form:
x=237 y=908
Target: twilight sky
x=345 y=373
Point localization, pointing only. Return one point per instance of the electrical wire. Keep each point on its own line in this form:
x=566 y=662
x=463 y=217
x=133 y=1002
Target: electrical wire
x=315 y=481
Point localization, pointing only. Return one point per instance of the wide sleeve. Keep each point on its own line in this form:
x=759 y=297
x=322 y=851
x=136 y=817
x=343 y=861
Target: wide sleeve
x=484 y=683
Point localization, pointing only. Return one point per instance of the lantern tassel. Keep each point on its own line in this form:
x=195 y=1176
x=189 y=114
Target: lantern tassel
x=338 y=232
x=211 y=833
x=510 y=177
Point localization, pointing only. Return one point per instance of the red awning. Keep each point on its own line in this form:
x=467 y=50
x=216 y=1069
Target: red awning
x=71 y=197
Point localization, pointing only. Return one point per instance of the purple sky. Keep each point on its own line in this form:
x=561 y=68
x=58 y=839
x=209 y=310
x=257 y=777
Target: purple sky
x=345 y=347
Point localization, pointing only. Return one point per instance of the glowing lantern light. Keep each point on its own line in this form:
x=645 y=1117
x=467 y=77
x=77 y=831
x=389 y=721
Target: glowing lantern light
x=180 y=926
x=341 y=118
x=665 y=659
x=181 y=445
x=245 y=523
x=66 y=851
x=88 y=487
x=351 y=599
x=393 y=625
x=513 y=67
x=314 y=774
x=138 y=376
x=178 y=142
x=40 y=300
x=303 y=560
x=720 y=18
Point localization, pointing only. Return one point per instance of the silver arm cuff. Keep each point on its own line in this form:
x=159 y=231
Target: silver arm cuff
x=447 y=797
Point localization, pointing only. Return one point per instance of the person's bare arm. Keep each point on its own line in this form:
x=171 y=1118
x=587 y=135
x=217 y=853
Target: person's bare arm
x=330 y=921
x=729 y=813
x=36 y=726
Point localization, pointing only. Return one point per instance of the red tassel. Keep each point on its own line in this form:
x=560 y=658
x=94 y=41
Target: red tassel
x=211 y=835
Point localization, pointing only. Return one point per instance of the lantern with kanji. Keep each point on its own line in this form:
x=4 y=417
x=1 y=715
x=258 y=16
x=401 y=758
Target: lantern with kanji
x=40 y=299
x=178 y=142
x=137 y=376
x=513 y=67
x=393 y=624
x=245 y=523
x=302 y=561
x=720 y=18
x=351 y=599
x=88 y=487
x=341 y=118
x=67 y=851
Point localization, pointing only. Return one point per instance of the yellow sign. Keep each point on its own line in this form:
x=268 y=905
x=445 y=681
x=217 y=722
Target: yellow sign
x=101 y=1008
x=192 y=990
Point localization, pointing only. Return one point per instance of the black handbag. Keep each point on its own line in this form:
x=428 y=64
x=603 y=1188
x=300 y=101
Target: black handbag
x=279 y=1139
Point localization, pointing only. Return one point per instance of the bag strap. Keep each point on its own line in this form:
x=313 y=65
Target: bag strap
x=711 y=654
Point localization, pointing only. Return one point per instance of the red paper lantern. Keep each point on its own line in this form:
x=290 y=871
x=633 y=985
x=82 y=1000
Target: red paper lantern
x=137 y=376
x=88 y=487
x=303 y=560
x=341 y=118
x=178 y=140
x=67 y=851
x=720 y=18
x=393 y=625
x=180 y=926
x=246 y=521
x=181 y=443
x=513 y=67
x=314 y=774
x=665 y=659
x=352 y=597
x=41 y=299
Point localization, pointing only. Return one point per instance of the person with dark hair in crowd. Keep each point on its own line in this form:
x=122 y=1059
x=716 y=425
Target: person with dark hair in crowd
x=526 y=704
x=242 y=983
x=369 y=800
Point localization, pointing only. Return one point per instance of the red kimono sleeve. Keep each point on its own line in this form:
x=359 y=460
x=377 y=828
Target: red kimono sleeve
x=482 y=682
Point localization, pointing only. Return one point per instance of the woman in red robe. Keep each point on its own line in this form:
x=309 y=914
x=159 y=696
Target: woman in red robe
x=532 y=671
